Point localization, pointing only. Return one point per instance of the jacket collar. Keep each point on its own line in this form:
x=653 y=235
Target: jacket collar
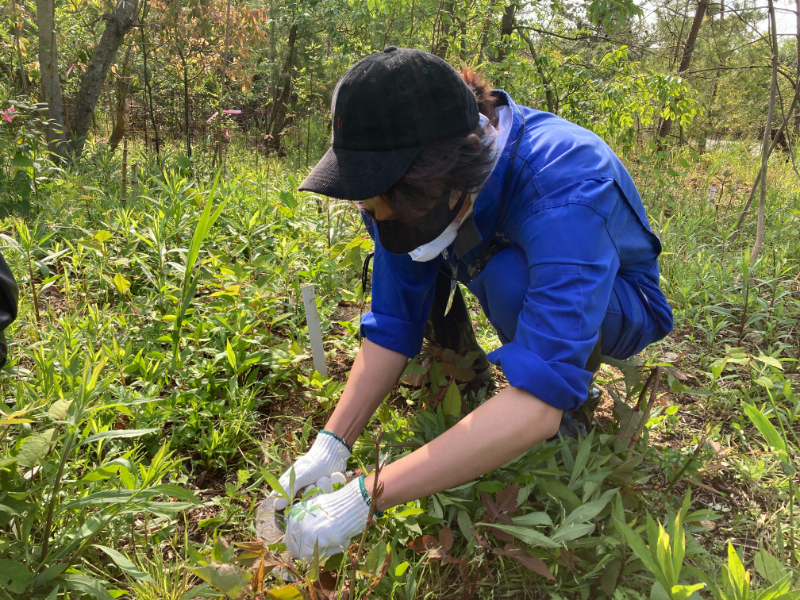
x=487 y=204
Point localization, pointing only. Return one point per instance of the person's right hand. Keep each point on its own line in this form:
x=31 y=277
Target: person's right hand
x=328 y=455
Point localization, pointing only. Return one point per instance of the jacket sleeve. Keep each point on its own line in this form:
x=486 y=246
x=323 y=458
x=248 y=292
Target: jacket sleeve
x=9 y=296
x=572 y=262
x=402 y=297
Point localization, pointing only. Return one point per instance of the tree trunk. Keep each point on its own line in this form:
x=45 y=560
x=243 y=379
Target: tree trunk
x=148 y=92
x=220 y=107
x=278 y=117
x=506 y=29
x=123 y=85
x=186 y=123
x=797 y=42
x=762 y=199
x=118 y=24
x=686 y=59
x=17 y=30
x=445 y=28
x=51 y=82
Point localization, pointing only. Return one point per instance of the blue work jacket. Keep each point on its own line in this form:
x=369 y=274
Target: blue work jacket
x=580 y=260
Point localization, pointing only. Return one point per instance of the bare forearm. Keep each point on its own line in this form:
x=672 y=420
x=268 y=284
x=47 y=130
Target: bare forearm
x=501 y=429
x=374 y=373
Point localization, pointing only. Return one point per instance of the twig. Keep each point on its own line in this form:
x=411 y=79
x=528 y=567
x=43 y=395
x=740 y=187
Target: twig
x=655 y=376
x=743 y=213
x=377 y=490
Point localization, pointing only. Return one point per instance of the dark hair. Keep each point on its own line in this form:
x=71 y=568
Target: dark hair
x=444 y=166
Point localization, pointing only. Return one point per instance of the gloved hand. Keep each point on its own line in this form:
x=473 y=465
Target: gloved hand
x=331 y=519
x=328 y=455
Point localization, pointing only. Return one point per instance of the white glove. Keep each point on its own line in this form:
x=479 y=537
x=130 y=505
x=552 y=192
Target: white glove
x=328 y=455
x=330 y=519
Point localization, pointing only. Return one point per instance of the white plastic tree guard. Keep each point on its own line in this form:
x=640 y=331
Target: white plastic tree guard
x=314 y=331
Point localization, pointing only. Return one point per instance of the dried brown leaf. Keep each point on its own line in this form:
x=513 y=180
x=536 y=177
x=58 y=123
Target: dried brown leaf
x=325 y=586
x=676 y=373
x=424 y=544
x=446 y=538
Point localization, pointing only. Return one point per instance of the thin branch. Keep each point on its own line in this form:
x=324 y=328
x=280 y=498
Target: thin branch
x=560 y=36
x=743 y=213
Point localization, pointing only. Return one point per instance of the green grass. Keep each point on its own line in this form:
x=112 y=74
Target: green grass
x=168 y=370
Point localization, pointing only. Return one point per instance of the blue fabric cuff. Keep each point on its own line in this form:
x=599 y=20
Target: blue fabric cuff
x=367 y=497
x=401 y=336
x=559 y=384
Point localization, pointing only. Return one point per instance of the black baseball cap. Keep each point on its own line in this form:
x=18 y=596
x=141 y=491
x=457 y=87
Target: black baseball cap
x=385 y=109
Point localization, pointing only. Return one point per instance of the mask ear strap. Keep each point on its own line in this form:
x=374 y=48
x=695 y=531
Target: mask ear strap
x=460 y=202
x=507 y=180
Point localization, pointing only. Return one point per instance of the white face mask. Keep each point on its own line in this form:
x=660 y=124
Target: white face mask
x=434 y=248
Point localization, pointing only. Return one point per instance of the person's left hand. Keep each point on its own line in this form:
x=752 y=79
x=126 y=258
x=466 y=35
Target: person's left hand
x=331 y=519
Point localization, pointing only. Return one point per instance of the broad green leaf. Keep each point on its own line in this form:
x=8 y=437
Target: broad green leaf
x=771 y=361
x=452 y=400
x=572 y=531
x=665 y=557
x=123 y=285
x=125 y=564
x=231 y=354
x=769 y=567
x=767 y=429
x=5 y=422
x=465 y=525
x=408 y=512
x=35 y=447
x=679 y=541
x=273 y=483
x=101 y=473
x=105 y=497
x=86 y=585
x=15 y=577
x=414 y=368
x=639 y=548
x=658 y=592
x=21 y=161
x=682 y=592
x=533 y=519
x=778 y=591
x=587 y=512
x=738 y=576
x=49 y=574
x=117 y=433
x=58 y=409
x=227 y=578
x=524 y=534
x=203 y=590
x=173 y=491
x=103 y=236
x=285 y=592
x=584 y=449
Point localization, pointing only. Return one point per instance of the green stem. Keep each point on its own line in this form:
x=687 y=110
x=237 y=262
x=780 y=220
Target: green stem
x=35 y=298
x=792 y=557
x=54 y=497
